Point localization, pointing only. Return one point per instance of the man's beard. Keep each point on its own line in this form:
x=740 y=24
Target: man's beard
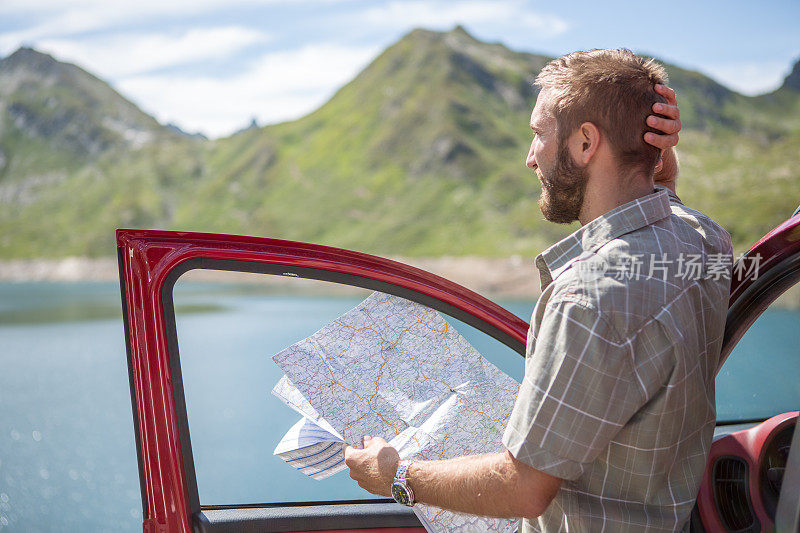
x=563 y=189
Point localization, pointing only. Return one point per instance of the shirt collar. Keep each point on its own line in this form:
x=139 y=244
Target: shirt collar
x=615 y=223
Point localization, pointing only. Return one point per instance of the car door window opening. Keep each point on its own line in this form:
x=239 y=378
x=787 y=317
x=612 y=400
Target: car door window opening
x=362 y=284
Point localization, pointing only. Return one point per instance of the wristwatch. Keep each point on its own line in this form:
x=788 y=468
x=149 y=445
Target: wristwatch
x=401 y=492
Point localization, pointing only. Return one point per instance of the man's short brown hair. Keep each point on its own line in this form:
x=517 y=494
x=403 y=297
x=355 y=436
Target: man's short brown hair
x=614 y=90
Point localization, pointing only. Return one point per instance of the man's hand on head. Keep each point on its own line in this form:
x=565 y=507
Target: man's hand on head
x=374 y=466
x=666 y=119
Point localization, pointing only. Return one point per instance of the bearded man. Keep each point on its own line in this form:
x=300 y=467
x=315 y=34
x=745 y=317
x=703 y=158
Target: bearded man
x=615 y=414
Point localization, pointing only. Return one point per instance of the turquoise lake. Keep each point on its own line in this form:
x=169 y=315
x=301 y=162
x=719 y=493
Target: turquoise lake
x=67 y=455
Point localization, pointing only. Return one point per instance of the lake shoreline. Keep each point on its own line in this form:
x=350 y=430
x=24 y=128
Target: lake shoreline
x=514 y=277
x=496 y=278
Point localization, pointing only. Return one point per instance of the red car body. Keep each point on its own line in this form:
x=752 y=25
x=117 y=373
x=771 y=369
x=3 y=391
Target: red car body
x=151 y=262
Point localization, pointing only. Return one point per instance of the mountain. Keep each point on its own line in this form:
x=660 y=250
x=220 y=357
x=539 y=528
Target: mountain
x=77 y=159
x=421 y=154
x=60 y=108
x=792 y=81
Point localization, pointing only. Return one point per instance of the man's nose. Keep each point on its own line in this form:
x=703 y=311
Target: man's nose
x=530 y=161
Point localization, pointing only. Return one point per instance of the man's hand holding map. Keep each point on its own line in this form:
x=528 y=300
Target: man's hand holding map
x=394 y=369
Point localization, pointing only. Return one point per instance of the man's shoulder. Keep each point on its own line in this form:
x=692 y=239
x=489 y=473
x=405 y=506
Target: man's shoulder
x=684 y=231
x=698 y=225
x=635 y=276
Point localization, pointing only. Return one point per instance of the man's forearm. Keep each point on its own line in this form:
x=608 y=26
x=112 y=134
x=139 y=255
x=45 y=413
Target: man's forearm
x=491 y=485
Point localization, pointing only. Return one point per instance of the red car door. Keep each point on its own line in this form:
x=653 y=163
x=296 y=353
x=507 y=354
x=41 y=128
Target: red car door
x=150 y=262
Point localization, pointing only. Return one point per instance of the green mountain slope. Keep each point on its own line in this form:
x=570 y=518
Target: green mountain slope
x=77 y=159
x=421 y=154
x=53 y=112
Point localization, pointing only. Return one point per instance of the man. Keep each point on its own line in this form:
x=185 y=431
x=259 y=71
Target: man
x=615 y=414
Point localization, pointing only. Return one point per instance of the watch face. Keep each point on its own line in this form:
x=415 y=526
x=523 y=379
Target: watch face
x=400 y=494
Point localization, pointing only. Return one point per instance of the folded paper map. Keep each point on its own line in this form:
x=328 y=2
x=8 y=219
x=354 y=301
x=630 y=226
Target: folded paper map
x=395 y=369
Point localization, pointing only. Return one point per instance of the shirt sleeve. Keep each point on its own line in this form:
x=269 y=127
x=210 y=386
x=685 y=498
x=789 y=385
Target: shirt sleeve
x=579 y=390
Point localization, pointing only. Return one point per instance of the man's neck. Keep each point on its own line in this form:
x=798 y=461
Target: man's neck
x=607 y=192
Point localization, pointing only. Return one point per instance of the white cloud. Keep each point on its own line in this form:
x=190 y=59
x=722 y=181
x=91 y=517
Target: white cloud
x=749 y=78
x=279 y=86
x=124 y=10
x=128 y=54
x=476 y=13
x=60 y=18
x=65 y=23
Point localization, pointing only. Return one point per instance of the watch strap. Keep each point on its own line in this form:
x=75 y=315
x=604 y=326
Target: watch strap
x=402 y=470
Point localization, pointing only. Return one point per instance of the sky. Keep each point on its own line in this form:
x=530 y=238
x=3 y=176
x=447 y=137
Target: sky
x=211 y=66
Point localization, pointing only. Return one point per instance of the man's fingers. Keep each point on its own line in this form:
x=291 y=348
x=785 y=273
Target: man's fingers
x=666 y=119
x=667 y=93
x=661 y=141
x=350 y=454
x=670 y=111
x=369 y=441
x=666 y=125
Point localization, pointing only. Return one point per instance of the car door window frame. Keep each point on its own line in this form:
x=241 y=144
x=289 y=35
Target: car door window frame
x=150 y=264
x=756 y=298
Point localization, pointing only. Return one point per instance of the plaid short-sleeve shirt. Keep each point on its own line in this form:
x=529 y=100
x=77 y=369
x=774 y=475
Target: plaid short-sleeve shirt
x=618 y=393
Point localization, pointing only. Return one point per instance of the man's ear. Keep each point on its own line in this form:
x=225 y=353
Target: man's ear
x=584 y=143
